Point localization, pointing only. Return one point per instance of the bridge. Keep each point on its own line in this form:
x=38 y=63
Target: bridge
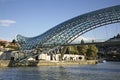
x=64 y=33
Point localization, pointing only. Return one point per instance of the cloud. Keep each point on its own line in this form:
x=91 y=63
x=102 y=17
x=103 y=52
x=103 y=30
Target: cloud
x=80 y=38
x=86 y=39
x=6 y=23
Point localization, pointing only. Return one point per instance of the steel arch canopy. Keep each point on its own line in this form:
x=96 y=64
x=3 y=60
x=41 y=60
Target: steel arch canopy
x=69 y=30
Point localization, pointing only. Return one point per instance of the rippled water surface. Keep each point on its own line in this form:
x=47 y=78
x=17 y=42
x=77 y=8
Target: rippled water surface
x=101 y=71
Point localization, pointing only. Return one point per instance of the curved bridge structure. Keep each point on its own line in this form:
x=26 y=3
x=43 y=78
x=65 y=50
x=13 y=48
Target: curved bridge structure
x=69 y=30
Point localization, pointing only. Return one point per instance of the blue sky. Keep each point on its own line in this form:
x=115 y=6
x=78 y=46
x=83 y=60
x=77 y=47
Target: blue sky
x=33 y=17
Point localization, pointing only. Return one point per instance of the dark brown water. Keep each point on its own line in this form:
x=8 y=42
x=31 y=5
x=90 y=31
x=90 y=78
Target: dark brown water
x=101 y=71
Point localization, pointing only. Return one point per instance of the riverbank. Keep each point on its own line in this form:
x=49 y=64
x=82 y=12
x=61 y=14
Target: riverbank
x=4 y=63
x=60 y=63
x=8 y=63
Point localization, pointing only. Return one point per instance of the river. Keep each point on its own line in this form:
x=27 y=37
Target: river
x=100 y=71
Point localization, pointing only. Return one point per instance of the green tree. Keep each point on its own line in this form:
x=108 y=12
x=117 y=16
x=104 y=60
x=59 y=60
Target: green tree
x=82 y=49
x=14 y=41
x=72 y=49
x=82 y=41
x=92 y=52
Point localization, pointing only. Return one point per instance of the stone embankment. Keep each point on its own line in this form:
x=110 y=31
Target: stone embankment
x=60 y=63
x=7 y=63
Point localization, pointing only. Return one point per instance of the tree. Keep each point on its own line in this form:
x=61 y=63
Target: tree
x=92 y=52
x=73 y=49
x=14 y=41
x=82 y=41
x=82 y=49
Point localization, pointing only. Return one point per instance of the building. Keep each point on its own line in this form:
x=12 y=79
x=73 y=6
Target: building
x=57 y=57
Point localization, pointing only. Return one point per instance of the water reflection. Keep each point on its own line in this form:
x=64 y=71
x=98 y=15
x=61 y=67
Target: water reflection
x=107 y=71
x=22 y=73
x=53 y=73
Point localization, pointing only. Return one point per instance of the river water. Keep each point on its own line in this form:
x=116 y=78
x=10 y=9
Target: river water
x=101 y=71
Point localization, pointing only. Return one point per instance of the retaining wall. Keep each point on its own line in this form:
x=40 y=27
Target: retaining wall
x=60 y=63
x=7 y=63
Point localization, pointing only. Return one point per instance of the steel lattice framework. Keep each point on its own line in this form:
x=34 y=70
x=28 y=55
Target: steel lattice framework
x=69 y=30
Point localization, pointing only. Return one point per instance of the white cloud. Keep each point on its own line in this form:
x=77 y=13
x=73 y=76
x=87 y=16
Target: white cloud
x=86 y=39
x=7 y=23
x=80 y=38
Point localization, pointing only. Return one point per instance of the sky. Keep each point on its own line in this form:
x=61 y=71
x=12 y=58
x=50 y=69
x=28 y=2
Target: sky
x=33 y=17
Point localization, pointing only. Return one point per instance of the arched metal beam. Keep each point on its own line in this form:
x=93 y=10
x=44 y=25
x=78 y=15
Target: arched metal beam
x=69 y=30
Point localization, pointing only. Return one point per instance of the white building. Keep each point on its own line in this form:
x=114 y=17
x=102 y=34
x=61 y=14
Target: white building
x=46 y=57
x=56 y=57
